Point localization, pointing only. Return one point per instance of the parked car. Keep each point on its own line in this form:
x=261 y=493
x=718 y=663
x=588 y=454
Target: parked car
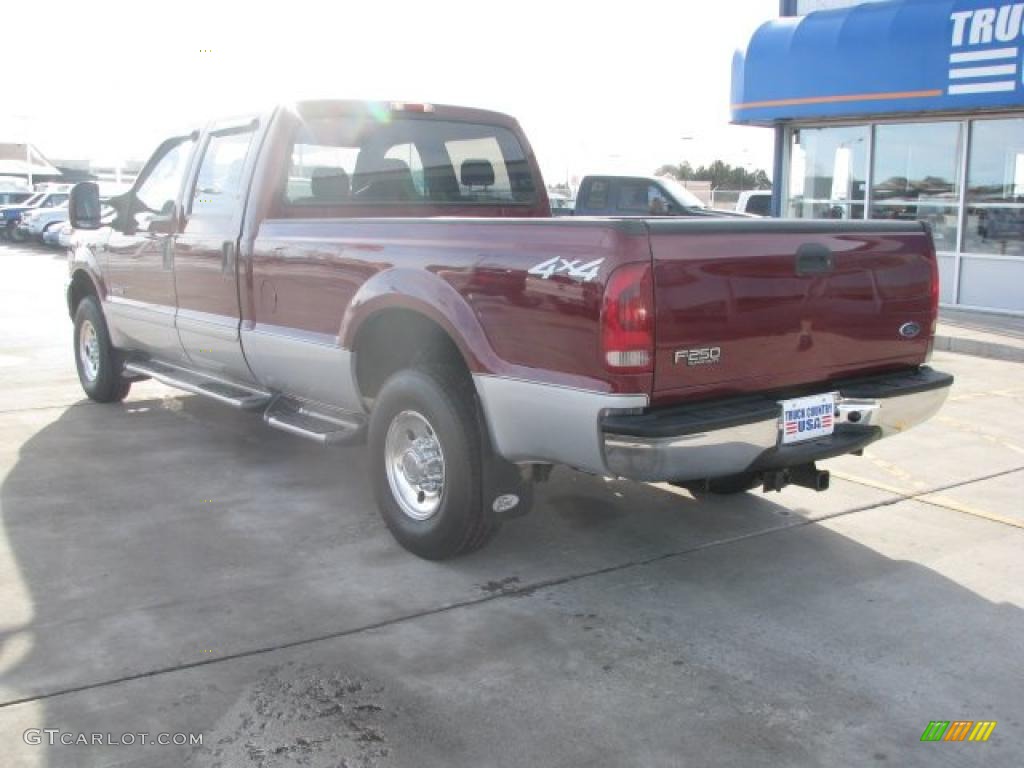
x=35 y=222
x=1000 y=223
x=11 y=214
x=14 y=197
x=476 y=341
x=58 y=235
x=757 y=202
x=640 y=196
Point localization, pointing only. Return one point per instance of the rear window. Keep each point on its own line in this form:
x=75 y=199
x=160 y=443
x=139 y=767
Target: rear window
x=760 y=204
x=355 y=160
x=597 y=195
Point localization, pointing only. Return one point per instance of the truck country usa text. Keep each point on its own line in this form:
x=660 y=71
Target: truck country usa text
x=808 y=419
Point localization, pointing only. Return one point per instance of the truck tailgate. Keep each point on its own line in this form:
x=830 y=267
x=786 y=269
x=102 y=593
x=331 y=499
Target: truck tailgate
x=750 y=306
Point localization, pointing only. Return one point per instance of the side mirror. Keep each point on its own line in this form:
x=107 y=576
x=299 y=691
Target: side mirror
x=162 y=225
x=165 y=222
x=84 y=206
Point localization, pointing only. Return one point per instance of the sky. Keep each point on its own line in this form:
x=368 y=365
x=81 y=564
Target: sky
x=598 y=87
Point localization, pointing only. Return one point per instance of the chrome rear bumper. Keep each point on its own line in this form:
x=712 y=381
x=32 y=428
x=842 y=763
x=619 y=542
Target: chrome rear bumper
x=743 y=435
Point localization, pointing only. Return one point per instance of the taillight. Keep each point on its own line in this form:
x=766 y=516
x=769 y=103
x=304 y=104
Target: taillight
x=627 y=320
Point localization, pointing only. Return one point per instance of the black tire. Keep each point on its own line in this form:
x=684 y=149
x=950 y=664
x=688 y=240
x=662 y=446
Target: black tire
x=101 y=377
x=15 y=234
x=726 y=486
x=446 y=401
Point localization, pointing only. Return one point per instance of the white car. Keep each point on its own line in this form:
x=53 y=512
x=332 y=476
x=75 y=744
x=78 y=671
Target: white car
x=37 y=222
x=59 y=235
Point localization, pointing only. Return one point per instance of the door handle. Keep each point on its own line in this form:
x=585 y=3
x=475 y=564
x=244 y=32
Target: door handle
x=814 y=259
x=227 y=259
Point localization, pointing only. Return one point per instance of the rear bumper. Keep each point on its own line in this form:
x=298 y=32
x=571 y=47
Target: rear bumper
x=725 y=437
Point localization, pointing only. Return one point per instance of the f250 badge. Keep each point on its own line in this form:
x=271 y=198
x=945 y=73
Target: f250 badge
x=574 y=269
x=699 y=356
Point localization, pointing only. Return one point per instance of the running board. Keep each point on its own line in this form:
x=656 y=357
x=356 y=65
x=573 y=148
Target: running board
x=327 y=427
x=200 y=384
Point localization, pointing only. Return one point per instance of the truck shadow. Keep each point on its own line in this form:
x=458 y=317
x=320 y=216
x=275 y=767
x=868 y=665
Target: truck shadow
x=168 y=532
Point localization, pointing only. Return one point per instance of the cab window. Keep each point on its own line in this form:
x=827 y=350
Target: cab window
x=343 y=159
x=159 y=190
x=597 y=195
x=218 y=189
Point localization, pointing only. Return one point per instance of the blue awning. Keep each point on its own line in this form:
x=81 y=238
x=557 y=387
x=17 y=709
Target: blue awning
x=882 y=58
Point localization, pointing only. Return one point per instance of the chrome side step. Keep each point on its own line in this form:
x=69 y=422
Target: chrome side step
x=318 y=423
x=200 y=384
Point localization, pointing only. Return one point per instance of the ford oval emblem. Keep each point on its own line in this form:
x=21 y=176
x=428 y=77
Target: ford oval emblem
x=910 y=330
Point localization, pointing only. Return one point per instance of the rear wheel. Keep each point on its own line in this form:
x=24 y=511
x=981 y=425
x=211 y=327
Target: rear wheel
x=426 y=463
x=97 y=361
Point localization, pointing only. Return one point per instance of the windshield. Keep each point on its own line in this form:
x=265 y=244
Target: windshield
x=682 y=195
x=34 y=200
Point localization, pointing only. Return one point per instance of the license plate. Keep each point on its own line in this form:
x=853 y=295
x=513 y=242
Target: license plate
x=806 y=418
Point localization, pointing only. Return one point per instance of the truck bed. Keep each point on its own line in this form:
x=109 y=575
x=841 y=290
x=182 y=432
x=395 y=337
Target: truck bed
x=741 y=306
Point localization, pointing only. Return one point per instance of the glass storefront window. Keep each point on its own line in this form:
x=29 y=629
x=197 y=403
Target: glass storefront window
x=828 y=173
x=916 y=176
x=995 y=188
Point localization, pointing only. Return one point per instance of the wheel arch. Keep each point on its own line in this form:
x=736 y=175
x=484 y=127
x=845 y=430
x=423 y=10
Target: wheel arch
x=399 y=306
x=80 y=285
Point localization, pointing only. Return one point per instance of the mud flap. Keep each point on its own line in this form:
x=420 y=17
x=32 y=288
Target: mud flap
x=507 y=490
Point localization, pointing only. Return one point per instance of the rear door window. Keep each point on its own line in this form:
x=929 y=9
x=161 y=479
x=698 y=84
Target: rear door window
x=218 y=188
x=597 y=195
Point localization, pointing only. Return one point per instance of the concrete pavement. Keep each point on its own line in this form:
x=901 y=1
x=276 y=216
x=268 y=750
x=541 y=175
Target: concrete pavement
x=169 y=565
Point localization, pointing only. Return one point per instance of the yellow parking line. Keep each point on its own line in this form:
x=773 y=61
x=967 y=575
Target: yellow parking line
x=932 y=498
x=956 y=506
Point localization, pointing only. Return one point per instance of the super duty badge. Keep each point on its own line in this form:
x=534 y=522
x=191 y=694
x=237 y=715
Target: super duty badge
x=699 y=356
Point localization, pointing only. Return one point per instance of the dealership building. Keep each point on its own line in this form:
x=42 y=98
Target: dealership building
x=901 y=109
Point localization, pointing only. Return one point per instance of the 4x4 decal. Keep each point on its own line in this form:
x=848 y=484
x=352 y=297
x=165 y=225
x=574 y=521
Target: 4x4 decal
x=574 y=269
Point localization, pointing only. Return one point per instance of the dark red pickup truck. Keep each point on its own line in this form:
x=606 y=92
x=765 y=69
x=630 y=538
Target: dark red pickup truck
x=393 y=270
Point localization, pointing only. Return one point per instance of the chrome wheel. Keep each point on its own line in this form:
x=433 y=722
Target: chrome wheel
x=414 y=465
x=89 y=351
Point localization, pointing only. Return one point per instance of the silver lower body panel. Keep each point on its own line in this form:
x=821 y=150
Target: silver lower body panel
x=544 y=423
x=302 y=367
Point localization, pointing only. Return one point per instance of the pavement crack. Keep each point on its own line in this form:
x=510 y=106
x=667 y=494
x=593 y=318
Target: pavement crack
x=510 y=591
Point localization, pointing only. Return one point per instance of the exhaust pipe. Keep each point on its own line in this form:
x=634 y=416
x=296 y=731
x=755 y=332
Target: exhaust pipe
x=804 y=475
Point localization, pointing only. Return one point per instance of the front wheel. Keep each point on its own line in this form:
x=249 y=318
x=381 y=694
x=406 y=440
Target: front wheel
x=426 y=463
x=97 y=361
